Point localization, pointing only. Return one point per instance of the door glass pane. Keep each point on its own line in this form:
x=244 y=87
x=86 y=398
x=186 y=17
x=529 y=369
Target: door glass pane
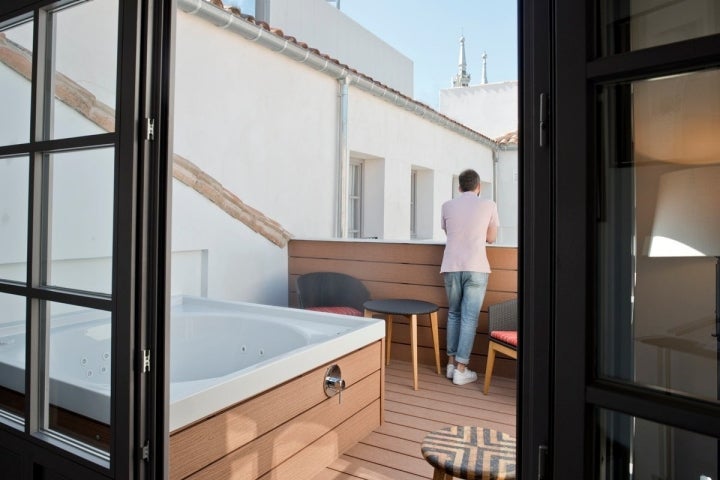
x=14 y=172
x=15 y=75
x=638 y=24
x=79 y=371
x=659 y=234
x=12 y=354
x=631 y=447
x=84 y=98
x=80 y=216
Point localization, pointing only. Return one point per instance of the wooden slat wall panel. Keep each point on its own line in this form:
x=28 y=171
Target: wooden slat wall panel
x=313 y=459
x=427 y=254
x=407 y=270
x=245 y=426
x=263 y=458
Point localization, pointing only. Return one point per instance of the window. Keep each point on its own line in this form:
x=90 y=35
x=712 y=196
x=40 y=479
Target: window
x=422 y=204
x=355 y=199
x=413 y=204
x=68 y=279
x=75 y=230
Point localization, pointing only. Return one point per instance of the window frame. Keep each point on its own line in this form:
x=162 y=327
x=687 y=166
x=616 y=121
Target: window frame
x=139 y=299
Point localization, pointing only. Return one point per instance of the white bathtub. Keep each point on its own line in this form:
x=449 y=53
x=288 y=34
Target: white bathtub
x=221 y=353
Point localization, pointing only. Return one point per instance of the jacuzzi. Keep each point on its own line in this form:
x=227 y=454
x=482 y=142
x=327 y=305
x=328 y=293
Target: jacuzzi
x=221 y=353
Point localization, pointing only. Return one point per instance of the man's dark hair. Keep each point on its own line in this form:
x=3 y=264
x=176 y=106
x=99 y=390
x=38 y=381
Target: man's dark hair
x=469 y=180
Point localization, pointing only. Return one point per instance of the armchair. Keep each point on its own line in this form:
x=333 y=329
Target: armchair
x=332 y=292
x=503 y=335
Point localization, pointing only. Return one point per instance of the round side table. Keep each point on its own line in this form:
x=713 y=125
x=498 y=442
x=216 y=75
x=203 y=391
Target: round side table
x=410 y=309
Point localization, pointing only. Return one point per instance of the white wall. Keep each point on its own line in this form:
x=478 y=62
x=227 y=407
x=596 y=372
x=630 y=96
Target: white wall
x=240 y=264
x=406 y=141
x=262 y=124
x=82 y=42
x=491 y=108
x=507 y=194
x=266 y=127
x=279 y=122
x=321 y=25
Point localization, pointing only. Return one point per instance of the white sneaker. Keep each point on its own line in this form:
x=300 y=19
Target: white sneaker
x=449 y=370
x=461 y=378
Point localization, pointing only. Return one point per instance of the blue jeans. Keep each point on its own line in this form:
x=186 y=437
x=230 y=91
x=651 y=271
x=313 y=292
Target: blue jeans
x=465 y=292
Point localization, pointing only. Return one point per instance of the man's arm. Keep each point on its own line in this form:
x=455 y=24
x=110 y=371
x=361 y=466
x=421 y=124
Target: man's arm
x=491 y=233
x=492 y=230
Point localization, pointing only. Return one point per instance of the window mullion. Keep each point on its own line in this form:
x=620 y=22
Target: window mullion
x=37 y=380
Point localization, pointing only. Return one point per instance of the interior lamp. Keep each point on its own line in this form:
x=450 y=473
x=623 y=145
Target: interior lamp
x=687 y=214
x=687 y=223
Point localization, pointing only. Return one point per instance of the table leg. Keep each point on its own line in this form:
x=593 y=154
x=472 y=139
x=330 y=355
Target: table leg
x=413 y=346
x=436 y=340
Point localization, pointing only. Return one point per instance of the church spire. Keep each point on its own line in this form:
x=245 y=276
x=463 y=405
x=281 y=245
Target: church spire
x=462 y=79
x=484 y=70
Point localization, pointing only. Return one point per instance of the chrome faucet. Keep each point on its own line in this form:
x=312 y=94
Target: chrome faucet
x=334 y=384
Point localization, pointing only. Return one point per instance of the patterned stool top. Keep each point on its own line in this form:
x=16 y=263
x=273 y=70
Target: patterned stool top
x=471 y=453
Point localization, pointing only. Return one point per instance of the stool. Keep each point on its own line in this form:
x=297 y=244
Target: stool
x=470 y=453
x=410 y=309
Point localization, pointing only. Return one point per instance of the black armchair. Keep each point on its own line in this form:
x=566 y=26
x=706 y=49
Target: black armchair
x=502 y=327
x=332 y=292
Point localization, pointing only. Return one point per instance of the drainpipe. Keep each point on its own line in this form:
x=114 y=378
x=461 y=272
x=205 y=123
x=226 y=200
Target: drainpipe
x=343 y=166
x=496 y=160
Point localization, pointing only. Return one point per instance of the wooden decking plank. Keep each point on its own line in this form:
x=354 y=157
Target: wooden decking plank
x=393 y=444
x=445 y=419
x=402 y=431
x=468 y=394
x=403 y=463
x=399 y=369
x=501 y=389
x=329 y=474
x=366 y=470
x=392 y=451
x=426 y=424
x=469 y=414
x=444 y=398
x=413 y=402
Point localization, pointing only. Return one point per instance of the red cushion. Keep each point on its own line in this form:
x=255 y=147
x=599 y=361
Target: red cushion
x=340 y=310
x=509 y=337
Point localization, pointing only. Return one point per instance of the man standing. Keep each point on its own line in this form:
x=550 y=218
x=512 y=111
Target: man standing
x=469 y=222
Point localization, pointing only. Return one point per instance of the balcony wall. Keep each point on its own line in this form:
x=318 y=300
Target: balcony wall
x=408 y=270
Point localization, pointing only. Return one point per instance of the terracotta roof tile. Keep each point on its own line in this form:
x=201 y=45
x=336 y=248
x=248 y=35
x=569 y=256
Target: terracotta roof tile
x=510 y=138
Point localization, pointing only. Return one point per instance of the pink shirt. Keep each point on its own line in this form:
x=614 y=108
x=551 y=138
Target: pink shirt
x=466 y=219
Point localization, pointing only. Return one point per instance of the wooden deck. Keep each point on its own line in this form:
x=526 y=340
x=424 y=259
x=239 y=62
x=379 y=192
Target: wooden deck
x=392 y=452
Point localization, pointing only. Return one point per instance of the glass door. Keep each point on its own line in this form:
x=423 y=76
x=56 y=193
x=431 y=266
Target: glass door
x=75 y=394
x=635 y=239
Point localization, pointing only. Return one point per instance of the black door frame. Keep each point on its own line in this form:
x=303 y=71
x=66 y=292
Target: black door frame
x=139 y=300
x=558 y=207
x=535 y=246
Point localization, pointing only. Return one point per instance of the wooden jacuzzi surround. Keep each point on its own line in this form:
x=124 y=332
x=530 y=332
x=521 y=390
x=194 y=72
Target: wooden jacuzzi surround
x=291 y=431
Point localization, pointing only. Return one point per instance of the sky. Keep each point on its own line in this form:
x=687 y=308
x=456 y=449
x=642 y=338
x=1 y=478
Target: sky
x=428 y=32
